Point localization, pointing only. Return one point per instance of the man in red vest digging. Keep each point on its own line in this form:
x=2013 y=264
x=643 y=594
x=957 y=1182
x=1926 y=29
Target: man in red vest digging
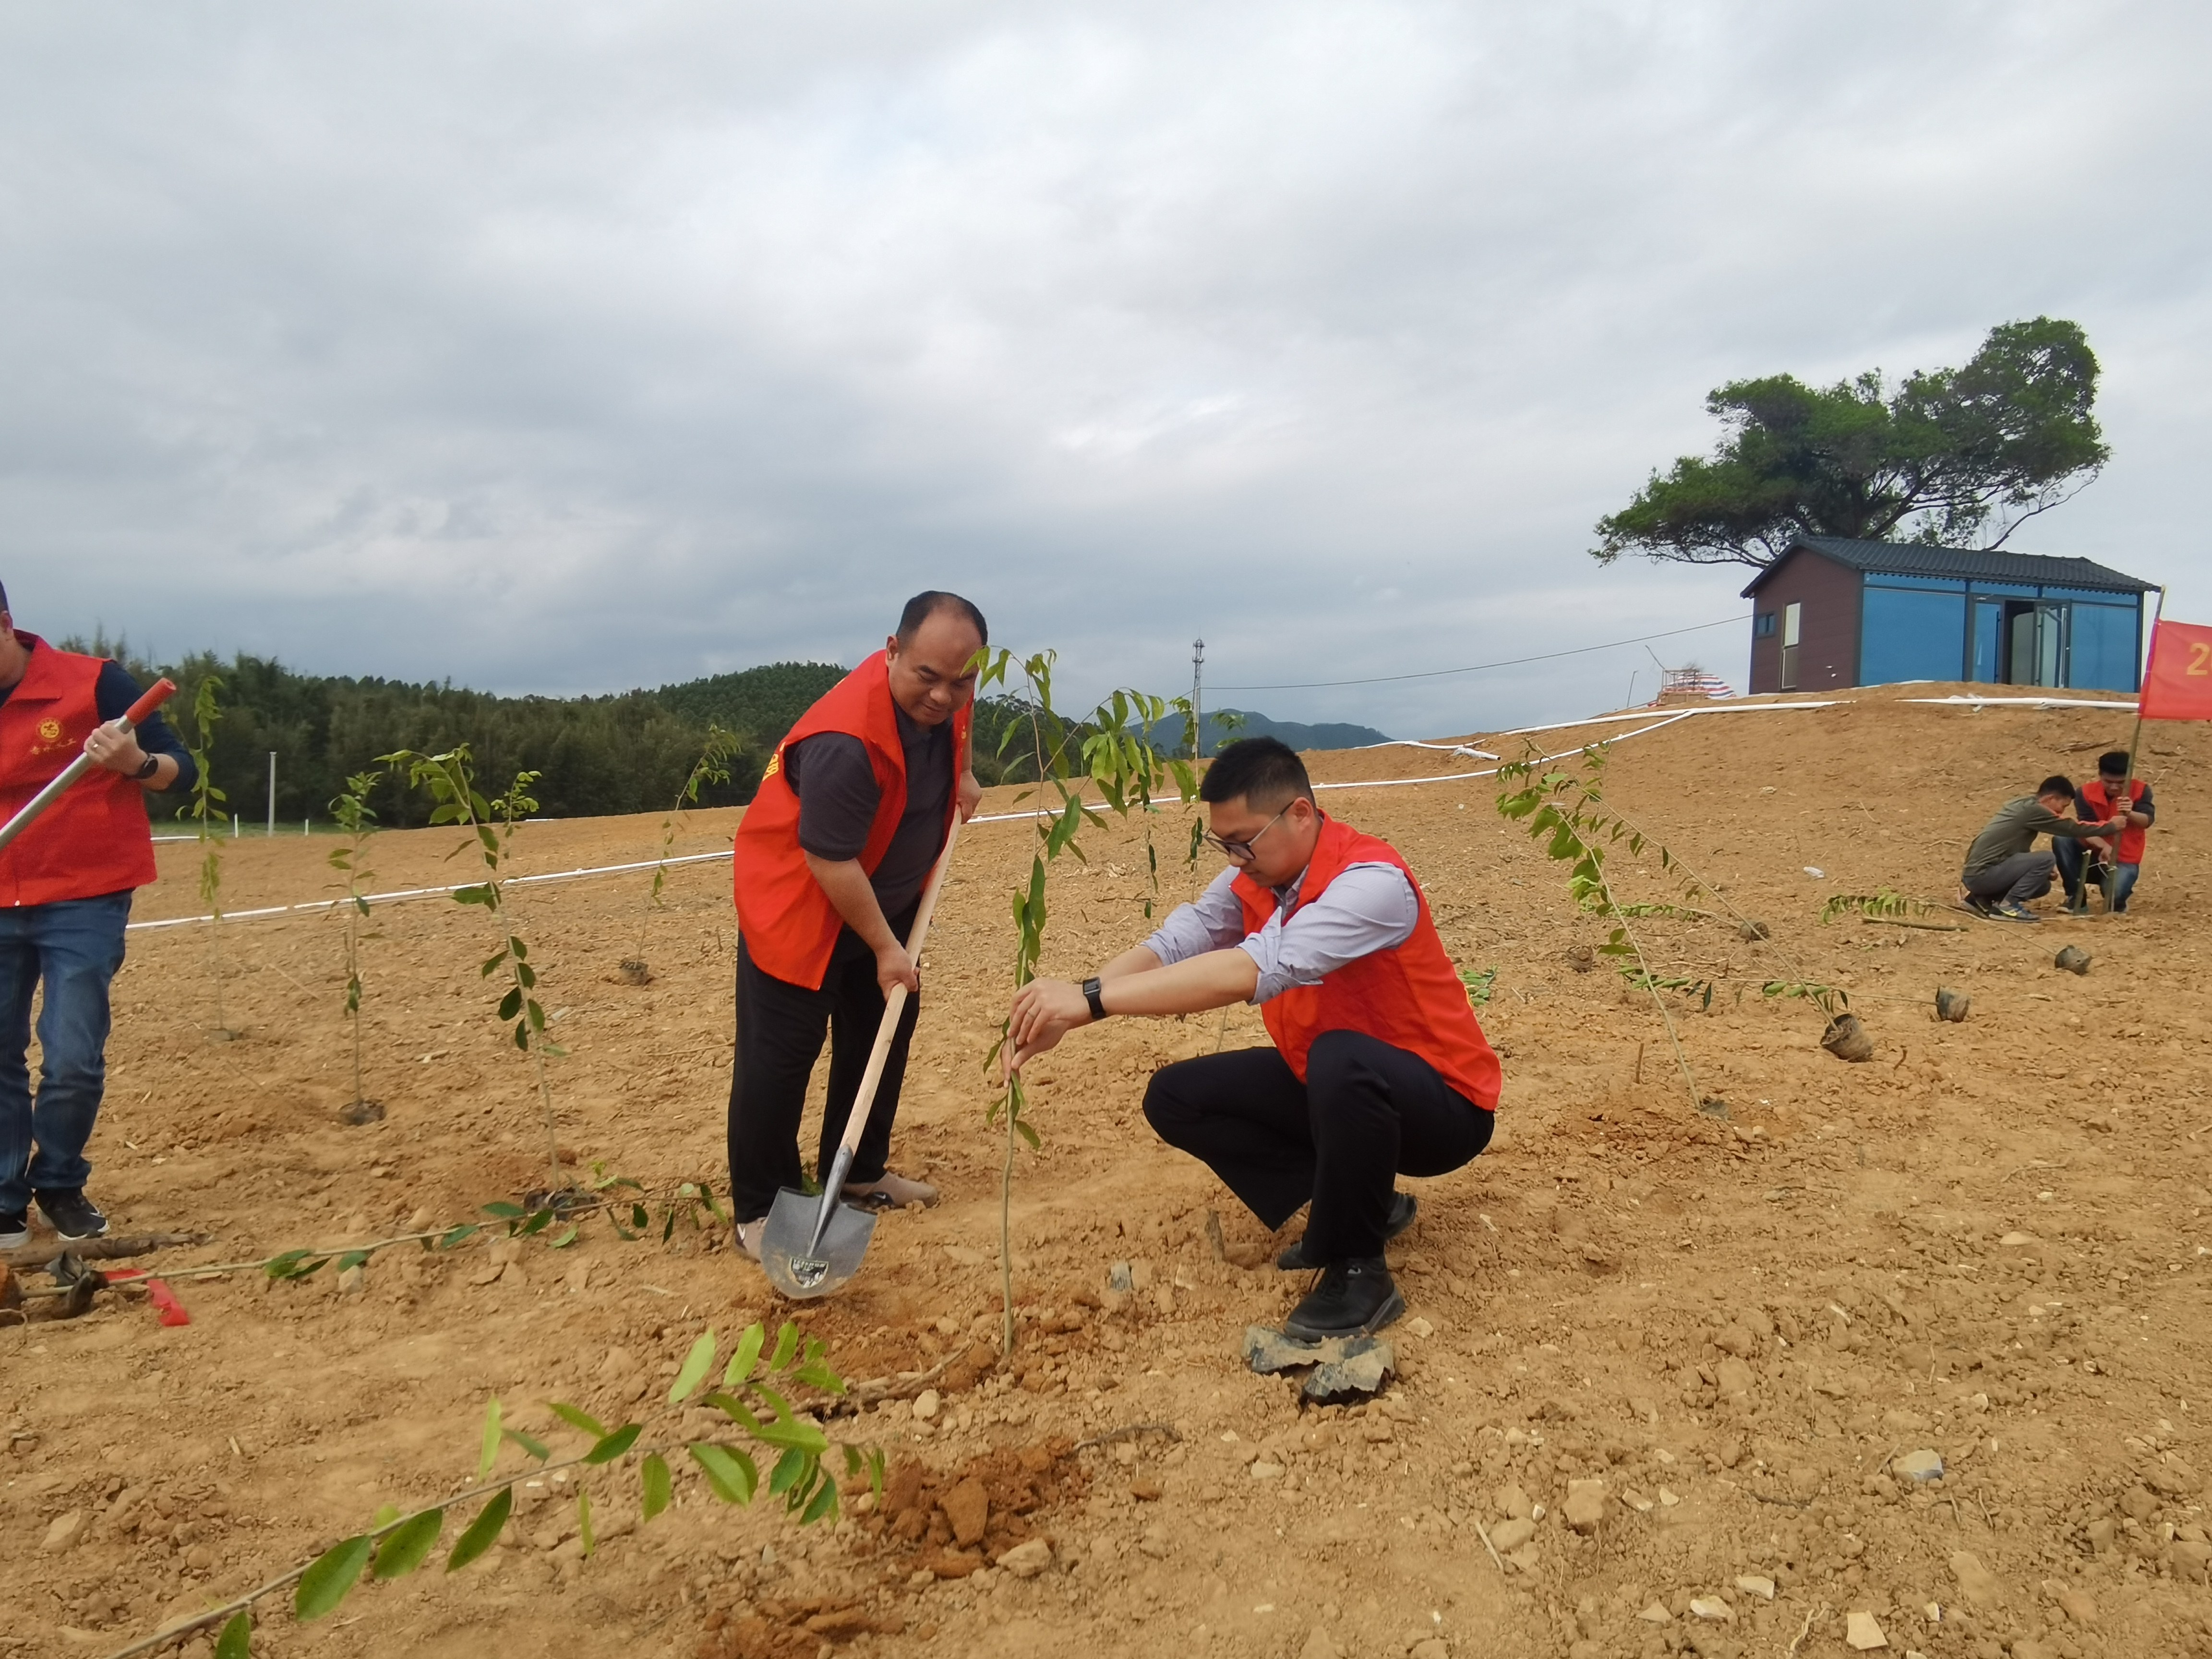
x=1378 y=1067
x=65 y=887
x=831 y=859
x=2118 y=861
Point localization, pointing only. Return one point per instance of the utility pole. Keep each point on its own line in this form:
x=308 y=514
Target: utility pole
x=1197 y=708
x=272 y=794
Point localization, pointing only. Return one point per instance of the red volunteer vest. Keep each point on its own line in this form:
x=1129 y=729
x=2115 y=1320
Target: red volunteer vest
x=2100 y=801
x=789 y=924
x=94 y=838
x=1410 y=998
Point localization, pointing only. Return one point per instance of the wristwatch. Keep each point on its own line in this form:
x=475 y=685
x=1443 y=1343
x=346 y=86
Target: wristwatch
x=1090 y=995
x=153 y=765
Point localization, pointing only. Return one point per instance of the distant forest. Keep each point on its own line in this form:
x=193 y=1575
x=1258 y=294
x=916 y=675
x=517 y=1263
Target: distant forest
x=627 y=752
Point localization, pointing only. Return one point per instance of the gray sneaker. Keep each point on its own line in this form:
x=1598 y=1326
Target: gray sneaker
x=2014 y=913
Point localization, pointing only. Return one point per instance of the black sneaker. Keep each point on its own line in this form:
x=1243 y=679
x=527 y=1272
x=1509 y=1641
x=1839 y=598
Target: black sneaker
x=73 y=1216
x=1980 y=907
x=1295 y=1260
x=1354 y=1298
x=15 y=1230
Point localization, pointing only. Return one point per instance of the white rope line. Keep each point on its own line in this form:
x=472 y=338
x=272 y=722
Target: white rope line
x=320 y=906
x=1447 y=748
x=2025 y=703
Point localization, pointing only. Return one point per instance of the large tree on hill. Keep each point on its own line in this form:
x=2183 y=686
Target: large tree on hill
x=1954 y=456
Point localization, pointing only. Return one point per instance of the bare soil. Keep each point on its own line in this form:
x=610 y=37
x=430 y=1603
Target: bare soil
x=1989 y=1242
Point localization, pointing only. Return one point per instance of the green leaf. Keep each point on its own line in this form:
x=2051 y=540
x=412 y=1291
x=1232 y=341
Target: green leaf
x=351 y=1259
x=746 y=1357
x=287 y=1265
x=564 y=1239
x=538 y=1222
x=694 y=1369
x=730 y=1473
x=584 y=1521
x=787 y=1344
x=237 y=1638
x=527 y=975
x=788 y=1468
x=457 y=1236
x=529 y=1442
x=577 y=1420
x=516 y=945
x=734 y=1409
x=816 y=1375
x=405 y=1547
x=1023 y=1129
x=483 y=1531
x=505 y=1210
x=658 y=1488
x=511 y=1004
x=488 y=1454
x=825 y=1501
x=795 y=1435
x=325 y=1584
x=614 y=1445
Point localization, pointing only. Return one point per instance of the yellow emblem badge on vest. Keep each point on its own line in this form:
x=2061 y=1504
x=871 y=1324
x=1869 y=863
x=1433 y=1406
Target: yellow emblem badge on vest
x=50 y=730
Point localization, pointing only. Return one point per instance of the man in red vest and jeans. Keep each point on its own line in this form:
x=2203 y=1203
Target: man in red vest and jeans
x=1378 y=1067
x=2119 y=859
x=65 y=886
x=831 y=859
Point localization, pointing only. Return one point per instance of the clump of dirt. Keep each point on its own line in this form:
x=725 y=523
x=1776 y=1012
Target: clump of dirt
x=959 y=1520
x=791 y=1630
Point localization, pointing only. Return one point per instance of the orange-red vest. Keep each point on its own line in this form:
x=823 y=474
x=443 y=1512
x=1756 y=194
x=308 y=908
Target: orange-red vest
x=1410 y=998
x=2101 y=803
x=94 y=838
x=789 y=924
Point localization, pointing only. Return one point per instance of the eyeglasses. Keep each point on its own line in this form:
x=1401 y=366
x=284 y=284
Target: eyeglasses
x=1242 y=850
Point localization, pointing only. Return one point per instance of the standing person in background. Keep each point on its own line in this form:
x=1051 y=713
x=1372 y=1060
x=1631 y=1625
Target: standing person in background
x=2118 y=862
x=2003 y=870
x=65 y=887
x=831 y=859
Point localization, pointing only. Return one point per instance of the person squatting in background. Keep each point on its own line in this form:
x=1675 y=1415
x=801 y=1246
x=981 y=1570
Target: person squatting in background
x=2116 y=861
x=831 y=859
x=65 y=888
x=2003 y=870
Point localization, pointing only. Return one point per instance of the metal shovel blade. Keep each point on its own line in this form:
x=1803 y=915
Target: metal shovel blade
x=801 y=1266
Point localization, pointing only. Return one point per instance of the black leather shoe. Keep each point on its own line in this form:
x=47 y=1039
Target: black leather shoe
x=73 y=1216
x=1294 y=1259
x=15 y=1230
x=1354 y=1298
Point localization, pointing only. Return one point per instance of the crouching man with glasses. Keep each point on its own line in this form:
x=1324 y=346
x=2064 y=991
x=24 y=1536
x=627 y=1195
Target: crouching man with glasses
x=1378 y=1067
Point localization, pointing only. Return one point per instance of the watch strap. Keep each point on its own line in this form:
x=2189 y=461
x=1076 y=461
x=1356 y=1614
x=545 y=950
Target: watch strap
x=153 y=765
x=1090 y=995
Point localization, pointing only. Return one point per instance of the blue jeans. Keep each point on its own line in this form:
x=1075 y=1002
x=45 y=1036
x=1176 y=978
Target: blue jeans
x=74 y=946
x=2071 y=861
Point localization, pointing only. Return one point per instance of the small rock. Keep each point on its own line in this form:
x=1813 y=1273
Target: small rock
x=2015 y=1238
x=1508 y=1536
x=926 y=1405
x=968 y=1507
x=1263 y=1470
x=2192 y=1561
x=1512 y=1501
x=1434 y=1648
x=1028 y=1561
x=1751 y=1583
x=1156 y=1543
x=1712 y=1608
x=1367 y=1368
x=1420 y=1327
x=1917 y=1466
x=1976 y=1582
x=420 y=1222
x=1860 y=1631
x=1656 y=1614
x=1585 y=1506
x=65 y=1531
x=2075 y=1604
x=1268 y=1350
x=2026 y=1648
x=353 y=1281
x=1147 y=1491
x=1320 y=1645
x=1738 y=1341
x=1733 y=1379
x=1805 y=1481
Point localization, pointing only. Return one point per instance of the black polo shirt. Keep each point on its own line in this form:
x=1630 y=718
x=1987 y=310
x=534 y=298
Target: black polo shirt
x=838 y=796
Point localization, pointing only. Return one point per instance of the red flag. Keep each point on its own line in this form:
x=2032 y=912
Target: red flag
x=2177 y=685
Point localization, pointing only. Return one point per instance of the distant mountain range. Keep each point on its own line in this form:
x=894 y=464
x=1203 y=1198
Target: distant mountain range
x=1299 y=735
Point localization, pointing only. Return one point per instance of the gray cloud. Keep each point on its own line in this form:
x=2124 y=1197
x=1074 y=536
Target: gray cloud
x=555 y=348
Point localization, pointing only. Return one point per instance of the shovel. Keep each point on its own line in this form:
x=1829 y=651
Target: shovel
x=811 y=1247
x=136 y=716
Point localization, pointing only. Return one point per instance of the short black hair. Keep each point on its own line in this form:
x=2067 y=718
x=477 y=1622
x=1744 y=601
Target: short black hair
x=1265 y=773
x=2112 y=763
x=2056 y=784
x=3 y=596
x=925 y=605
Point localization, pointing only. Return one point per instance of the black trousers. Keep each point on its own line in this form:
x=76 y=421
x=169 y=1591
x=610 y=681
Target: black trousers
x=780 y=1031
x=1366 y=1113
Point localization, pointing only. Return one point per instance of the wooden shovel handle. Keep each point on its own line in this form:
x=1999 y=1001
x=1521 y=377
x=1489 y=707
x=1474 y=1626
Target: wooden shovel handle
x=895 y=1003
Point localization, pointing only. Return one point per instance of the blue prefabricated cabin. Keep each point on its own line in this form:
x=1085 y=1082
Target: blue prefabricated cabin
x=1832 y=612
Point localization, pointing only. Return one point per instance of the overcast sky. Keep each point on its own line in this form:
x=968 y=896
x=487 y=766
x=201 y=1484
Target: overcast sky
x=561 y=349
